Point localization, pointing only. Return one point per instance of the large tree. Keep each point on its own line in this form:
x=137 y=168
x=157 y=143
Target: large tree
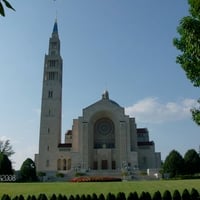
x=173 y=164
x=6 y=148
x=189 y=44
x=28 y=171
x=192 y=162
x=7 y=4
x=5 y=165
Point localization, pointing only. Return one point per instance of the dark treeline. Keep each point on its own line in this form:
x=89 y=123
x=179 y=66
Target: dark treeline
x=167 y=195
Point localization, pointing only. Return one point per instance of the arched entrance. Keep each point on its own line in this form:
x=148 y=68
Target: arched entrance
x=104 y=142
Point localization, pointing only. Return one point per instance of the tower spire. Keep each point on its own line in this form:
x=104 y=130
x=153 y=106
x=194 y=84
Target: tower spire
x=55 y=28
x=51 y=107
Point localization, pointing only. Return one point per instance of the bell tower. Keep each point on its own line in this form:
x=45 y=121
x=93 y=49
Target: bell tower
x=51 y=106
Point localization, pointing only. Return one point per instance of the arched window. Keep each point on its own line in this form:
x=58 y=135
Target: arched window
x=69 y=164
x=59 y=164
x=64 y=164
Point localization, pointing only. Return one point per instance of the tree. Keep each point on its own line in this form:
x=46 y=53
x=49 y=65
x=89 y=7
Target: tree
x=5 y=165
x=7 y=4
x=192 y=162
x=6 y=148
x=173 y=164
x=28 y=171
x=189 y=45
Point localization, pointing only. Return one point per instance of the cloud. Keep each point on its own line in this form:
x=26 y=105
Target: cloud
x=4 y=138
x=151 y=110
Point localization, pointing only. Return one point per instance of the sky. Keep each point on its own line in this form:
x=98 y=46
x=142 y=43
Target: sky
x=124 y=46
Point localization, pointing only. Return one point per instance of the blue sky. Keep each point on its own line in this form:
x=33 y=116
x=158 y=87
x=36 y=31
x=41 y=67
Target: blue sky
x=124 y=46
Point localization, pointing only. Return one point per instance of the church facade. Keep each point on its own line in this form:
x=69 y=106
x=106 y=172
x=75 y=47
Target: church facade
x=103 y=138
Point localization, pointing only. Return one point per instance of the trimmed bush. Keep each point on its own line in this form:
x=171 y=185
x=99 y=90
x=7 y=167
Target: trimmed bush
x=71 y=197
x=194 y=194
x=21 y=197
x=53 y=197
x=167 y=195
x=186 y=195
x=94 y=196
x=147 y=196
x=157 y=196
x=77 y=197
x=176 y=195
x=142 y=196
x=88 y=197
x=110 y=196
x=133 y=196
x=33 y=197
x=5 y=197
x=101 y=197
x=121 y=196
x=83 y=197
x=60 y=197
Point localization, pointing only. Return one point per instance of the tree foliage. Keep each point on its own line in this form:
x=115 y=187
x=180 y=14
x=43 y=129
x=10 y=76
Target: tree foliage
x=5 y=165
x=189 y=44
x=173 y=164
x=28 y=171
x=7 y=4
x=191 y=162
x=6 y=148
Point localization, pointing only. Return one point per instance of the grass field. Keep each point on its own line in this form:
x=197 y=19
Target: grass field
x=13 y=189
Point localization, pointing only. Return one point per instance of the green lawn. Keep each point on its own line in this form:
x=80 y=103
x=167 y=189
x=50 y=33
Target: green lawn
x=68 y=189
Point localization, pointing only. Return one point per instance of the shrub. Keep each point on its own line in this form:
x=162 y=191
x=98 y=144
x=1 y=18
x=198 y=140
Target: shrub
x=88 y=197
x=71 y=197
x=42 y=197
x=147 y=196
x=157 y=196
x=83 y=197
x=15 y=198
x=186 y=195
x=121 y=196
x=194 y=194
x=110 y=196
x=53 y=197
x=21 y=197
x=176 y=195
x=33 y=197
x=142 y=196
x=167 y=195
x=130 y=196
x=60 y=175
x=77 y=197
x=5 y=197
x=94 y=196
x=60 y=197
x=101 y=197
x=79 y=174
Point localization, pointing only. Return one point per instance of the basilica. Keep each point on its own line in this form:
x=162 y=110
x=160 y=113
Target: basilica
x=104 y=138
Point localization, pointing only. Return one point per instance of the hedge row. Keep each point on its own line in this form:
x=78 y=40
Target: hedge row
x=167 y=195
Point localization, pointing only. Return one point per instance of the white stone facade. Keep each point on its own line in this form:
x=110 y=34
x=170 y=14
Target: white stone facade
x=103 y=138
